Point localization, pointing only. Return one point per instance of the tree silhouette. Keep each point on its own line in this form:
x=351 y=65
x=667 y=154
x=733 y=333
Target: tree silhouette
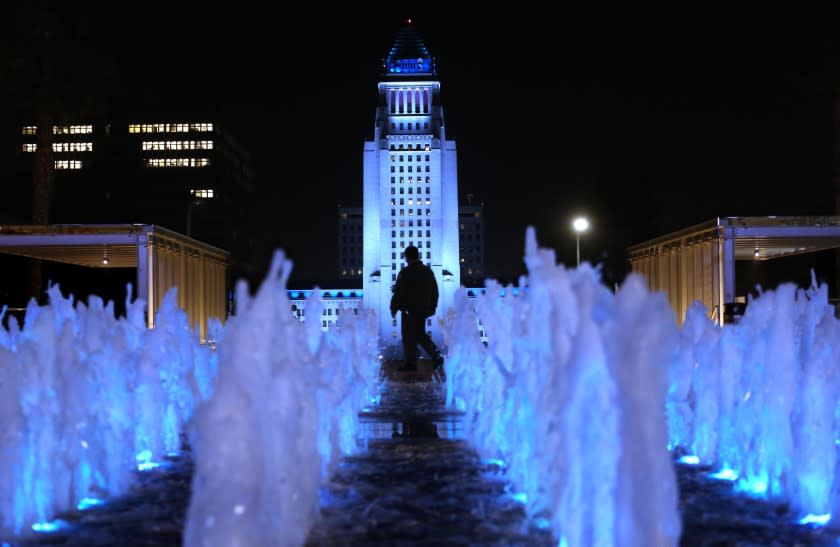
x=52 y=73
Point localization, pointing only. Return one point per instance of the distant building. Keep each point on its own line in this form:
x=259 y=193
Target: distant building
x=410 y=197
x=350 y=223
x=191 y=177
x=470 y=238
x=410 y=183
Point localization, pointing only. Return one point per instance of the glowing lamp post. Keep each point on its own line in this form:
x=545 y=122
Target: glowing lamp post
x=580 y=224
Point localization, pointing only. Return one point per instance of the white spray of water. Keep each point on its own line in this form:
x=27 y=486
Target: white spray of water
x=284 y=410
x=570 y=394
x=82 y=394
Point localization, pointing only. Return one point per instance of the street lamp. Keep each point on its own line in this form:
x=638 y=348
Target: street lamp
x=580 y=224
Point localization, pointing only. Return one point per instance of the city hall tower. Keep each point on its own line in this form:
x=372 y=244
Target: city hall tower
x=410 y=185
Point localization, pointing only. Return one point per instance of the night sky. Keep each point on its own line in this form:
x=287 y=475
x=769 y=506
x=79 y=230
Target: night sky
x=645 y=121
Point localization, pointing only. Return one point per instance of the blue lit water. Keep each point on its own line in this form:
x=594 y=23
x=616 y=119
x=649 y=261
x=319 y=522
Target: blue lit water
x=419 y=483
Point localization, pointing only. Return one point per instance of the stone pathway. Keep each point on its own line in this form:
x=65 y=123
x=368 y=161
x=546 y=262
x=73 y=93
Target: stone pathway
x=419 y=483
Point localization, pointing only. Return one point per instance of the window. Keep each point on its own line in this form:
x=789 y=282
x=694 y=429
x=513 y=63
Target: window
x=29 y=130
x=28 y=147
x=206 y=193
x=68 y=164
x=177 y=162
x=72 y=129
x=72 y=147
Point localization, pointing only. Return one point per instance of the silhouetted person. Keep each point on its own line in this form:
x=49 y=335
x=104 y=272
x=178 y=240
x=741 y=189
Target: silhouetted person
x=416 y=296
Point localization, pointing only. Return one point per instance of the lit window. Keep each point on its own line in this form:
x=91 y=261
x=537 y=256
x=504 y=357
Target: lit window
x=205 y=193
x=72 y=129
x=72 y=147
x=29 y=130
x=68 y=164
x=177 y=162
x=29 y=147
x=134 y=128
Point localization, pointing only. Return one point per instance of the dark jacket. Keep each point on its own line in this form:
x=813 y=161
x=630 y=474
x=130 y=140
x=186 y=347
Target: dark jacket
x=416 y=290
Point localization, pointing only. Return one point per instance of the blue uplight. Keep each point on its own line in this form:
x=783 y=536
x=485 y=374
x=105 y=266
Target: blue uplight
x=520 y=497
x=52 y=526
x=144 y=462
x=756 y=486
x=294 y=294
x=724 y=474
x=88 y=502
x=495 y=461
x=819 y=520
x=542 y=523
x=690 y=460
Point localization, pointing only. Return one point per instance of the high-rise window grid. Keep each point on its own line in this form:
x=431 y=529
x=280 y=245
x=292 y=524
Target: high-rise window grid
x=177 y=145
x=169 y=127
x=177 y=162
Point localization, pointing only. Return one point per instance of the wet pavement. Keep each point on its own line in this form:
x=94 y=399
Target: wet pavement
x=419 y=483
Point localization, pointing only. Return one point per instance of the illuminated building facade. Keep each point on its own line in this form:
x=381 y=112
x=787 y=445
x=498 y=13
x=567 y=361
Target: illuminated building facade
x=189 y=177
x=470 y=238
x=410 y=190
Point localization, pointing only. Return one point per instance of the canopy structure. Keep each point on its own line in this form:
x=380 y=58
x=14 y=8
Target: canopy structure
x=698 y=263
x=163 y=259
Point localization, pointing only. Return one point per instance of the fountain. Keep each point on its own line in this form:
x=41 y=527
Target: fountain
x=569 y=395
x=284 y=410
x=758 y=400
x=87 y=399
